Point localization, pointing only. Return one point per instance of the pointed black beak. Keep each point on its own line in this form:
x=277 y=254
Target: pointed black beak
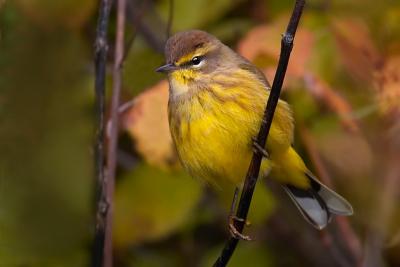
x=166 y=68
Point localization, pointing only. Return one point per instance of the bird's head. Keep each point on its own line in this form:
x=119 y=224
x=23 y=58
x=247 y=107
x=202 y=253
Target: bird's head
x=190 y=51
x=196 y=60
x=192 y=57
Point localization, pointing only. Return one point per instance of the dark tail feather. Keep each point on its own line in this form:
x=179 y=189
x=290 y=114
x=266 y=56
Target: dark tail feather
x=317 y=203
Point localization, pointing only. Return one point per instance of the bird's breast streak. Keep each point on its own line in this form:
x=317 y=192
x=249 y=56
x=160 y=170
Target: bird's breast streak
x=214 y=142
x=214 y=137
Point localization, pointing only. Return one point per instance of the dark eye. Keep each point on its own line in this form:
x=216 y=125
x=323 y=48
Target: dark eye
x=196 y=60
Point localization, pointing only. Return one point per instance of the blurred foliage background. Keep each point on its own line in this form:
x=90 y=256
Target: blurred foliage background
x=343 y=83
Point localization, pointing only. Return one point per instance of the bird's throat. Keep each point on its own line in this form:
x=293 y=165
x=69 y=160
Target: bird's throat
x=178 y=87
x=182 y=82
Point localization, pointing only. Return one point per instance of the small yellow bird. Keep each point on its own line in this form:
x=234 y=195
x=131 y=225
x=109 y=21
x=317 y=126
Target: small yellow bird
x=216 y=103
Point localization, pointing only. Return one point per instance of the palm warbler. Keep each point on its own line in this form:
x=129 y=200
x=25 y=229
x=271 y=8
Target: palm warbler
x=216 y=104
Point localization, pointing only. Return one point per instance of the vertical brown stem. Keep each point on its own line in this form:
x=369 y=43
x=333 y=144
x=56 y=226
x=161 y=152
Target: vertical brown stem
x=101 y=49
x=346 y=232
x=170 y=18
x=113 y=137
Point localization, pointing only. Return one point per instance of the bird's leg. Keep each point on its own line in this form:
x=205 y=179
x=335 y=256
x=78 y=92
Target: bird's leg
x=259 y=149
x=233 y=218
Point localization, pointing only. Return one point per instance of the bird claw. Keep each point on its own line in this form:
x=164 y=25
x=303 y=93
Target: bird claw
x=234 y=232
x=259 y=149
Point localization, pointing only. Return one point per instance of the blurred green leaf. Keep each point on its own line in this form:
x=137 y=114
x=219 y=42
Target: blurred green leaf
x=231 y=29
x=324 y=61
x=151 y=203
x=139 y=67
x=304 y=106
x=196 y=13
x=262 y=206
x=49 y=14
x=277 y=7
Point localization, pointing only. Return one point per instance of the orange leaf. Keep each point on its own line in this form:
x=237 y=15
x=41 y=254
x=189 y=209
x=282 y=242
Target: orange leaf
x=147 y=123
x=321 y=90
x=264 y=41
x=356 y=48
x=388 y=84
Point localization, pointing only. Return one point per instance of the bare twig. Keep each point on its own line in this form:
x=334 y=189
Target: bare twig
x=254 y=168
x=338 y=104
x=128 y=46
x=350 y=238
x=152 y=31
x=315 y=157
x=346 y=232
x=113 y=138
x=101 y=48
x=338 y=257
x=170 y=18
x=378 y=229
x=135 y=22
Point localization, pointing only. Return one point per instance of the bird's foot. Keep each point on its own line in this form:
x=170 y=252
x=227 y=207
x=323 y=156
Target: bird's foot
x=259 y=149
x=234 y=231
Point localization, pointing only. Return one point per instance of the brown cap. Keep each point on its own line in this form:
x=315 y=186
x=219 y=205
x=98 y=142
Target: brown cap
x=186 y=42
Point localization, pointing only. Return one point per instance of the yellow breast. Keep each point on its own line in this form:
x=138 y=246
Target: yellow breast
x=213 y=128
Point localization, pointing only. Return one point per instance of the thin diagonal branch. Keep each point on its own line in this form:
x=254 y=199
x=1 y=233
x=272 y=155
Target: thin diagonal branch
x=254 y=168
x=170 y=18
x=151 y=34
x=346 y=232
x=135 y=22
x=100 y=62
x=113 y=137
